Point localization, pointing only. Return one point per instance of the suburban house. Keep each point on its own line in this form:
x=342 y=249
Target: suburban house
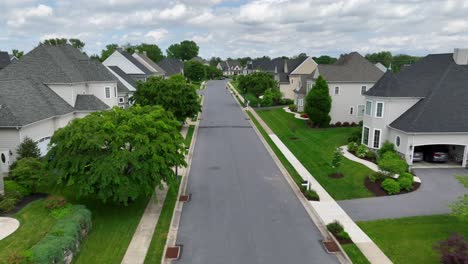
x=171 y=66
x=230 y=67
x=6 y=59
x=148 y=63
x=348 y=79
x=424 y=105
x=126 y=86
x=44 y=91
x=129 y=65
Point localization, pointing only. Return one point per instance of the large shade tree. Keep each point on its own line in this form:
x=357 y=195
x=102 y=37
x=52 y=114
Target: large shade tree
x=105 y=53
x=194 y=71
x=318 y=103
x=184 y=50
x=174 y=94
x=152 y=51
x=118 y=155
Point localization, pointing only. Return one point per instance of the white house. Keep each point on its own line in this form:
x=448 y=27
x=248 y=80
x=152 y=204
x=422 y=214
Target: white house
x=46 y=89
x=348 y=79
x=230 y=67
x=425 y=104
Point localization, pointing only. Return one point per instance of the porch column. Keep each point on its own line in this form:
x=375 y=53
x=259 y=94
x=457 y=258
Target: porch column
x=465 y=156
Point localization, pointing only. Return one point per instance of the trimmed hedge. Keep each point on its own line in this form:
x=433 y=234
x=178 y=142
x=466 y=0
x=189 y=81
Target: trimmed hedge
x=391 y=186
x=392 y=162
x=64 y=238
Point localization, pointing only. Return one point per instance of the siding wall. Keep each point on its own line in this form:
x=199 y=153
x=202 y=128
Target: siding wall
x=349 y=96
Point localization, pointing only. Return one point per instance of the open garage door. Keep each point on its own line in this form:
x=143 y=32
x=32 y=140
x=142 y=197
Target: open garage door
x=439 y=156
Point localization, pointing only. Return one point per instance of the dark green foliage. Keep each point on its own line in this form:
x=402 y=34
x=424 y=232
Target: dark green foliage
x=55 y=41
x=352 y=146
x=63 y=237
x=194 y=71
x=8 y=203
x=392 y=163
x=371 y=155
x=384 y=57
x=257 y=83
x=118 y=155
x=318 y=103
x=214 y=61
x=28 y=172
x=343 y=235
x=293 y=107
x=362 y=151
x=12 y=186
x=105 y=53
x=391 y=186
x=335 y=227
x=401 y=60
x=76 y=43
x=212 y=72
x=253 y=100
x=311 y=195
x=395 y=61
x=18 y=54
x=356 y=136
x=386 y=147
x=405 y=183
x=173 y=94
x=152 y=51
x=13 y=194
x=377 y=176
x=28 y=149
x=324 y=59
x=185 y=50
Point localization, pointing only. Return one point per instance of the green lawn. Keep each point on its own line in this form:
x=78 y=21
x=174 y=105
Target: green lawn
x=355 y=254
x=35 y=222
x=411 y=239
x=314 y=148
x=188 y=138
x=158 y=241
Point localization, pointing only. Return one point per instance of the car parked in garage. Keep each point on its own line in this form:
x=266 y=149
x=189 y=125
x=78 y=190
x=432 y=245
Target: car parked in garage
x=418 y=156
x=436 y=153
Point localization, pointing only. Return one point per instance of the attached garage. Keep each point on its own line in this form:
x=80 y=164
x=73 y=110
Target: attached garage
x=438 y=156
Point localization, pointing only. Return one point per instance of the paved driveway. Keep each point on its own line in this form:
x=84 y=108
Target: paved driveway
x=242 y=209
x=439 y=188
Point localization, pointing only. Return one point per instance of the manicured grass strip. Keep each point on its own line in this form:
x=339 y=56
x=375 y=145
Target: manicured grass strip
x=355 y=254
x=411 y=239
x=35 y=222
x=314 y=148
x=188 y=138
x=113 y=228
x=155 y=251
x=296 y=177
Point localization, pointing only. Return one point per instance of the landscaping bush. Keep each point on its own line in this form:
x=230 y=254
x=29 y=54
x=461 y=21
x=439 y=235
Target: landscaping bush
x=338 y=124
x=361 y=123
x=406 y=181
x=393 y=163
x=286 y=101
x=343 y=235
x=63 y=238
x=345 y=124
x=55 y=202
x=267 y=99
x=14 y=187
x=356 y=136
x=253 y=101
x=292 y=107
x=377 y=176
x=28 y=149
x=453 y=250
x=8 y=203
x=311 y=195
x=353 y=124
x=28 y=172
x=391 y=186
x=352 y=146
x=335 y=227
x=371 y=155
x=386 y=147
x=361 y=151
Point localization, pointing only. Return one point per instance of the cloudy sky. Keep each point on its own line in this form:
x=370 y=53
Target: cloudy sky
x=242 y=28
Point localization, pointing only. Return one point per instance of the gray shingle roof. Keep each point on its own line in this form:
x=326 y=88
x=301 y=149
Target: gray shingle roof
x=24 y=95
x=86 y=102
x=351 y=67
x=123 y=75
x=171 y=66
x=442 y=84
x=4 y=59
x=145 y=58
x=135 y=62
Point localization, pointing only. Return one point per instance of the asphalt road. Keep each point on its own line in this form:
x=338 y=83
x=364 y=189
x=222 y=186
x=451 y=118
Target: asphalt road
x=242 y=209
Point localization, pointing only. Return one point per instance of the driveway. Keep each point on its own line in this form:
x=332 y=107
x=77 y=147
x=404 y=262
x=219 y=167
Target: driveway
x=439 y=188
x=242 y=209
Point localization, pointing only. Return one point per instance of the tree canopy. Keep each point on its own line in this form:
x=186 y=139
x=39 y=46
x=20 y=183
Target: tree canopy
x=77 y=43
x=152 y=51
x=28 y=149
x=117 y=155
x=194 y=71
x=184 y=50
x=396 y=62
x=318 y=103
x=173 y=94
x=215 y=60
x=257 y=83
x=18 y=54
x=324 y=59
x=105 y=53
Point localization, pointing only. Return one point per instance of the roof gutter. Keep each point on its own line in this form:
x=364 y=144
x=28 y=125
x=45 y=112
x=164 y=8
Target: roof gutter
x=428 y=133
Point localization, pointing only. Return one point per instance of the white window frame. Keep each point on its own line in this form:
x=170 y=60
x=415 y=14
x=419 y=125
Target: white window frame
x=368 y=113
x=365 y=89
x=376 y=108
x=363 y=112
x=380 y=138
x=351 y=110
x=107 y=91
x=301 y=102
x=335 y=91
x=363 y=135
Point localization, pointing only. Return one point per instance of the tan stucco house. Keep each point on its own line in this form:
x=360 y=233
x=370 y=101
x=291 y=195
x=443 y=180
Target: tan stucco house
x=425 y=104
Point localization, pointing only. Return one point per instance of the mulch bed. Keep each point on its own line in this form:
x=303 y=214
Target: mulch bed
x=331 y=246
x=375 y=188
x=25 y=201
x=365 y=158
x=336 y=175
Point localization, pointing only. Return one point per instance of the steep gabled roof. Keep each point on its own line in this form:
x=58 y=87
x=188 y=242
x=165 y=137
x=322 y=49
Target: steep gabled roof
x=123 y=75
x=351 y=67
x=442 y=85
x=171 y=66
x=134 y=61
x=4 y=59
x=150 y=62
x=87 y=102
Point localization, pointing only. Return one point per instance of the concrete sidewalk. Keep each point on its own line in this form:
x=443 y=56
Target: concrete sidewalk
x=8 y=226
x=327 y=209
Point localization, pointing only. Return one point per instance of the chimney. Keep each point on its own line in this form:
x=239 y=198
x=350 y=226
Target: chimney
x=460 y=56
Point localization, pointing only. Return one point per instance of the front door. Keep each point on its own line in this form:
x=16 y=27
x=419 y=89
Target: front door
x=4 y=161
